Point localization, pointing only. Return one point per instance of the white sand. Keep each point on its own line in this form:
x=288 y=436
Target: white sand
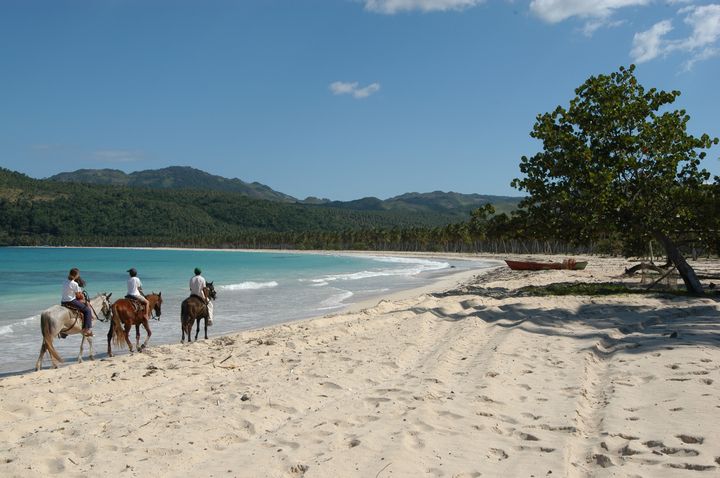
x=458 y=386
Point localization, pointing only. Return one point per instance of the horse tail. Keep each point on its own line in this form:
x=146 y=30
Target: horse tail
x=47 y=337
x=184 y=311
x=117 y=327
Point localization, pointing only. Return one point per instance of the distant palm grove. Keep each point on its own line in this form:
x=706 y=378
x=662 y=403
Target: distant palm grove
x=50 y=212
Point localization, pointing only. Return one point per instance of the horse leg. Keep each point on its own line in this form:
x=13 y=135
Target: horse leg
x=43 y=349
x=146 y=324
x=82 y=342
x=188 y=327
x=127 y=336
x=137 y=337
x=206 y=321
x=92 y=348
x=109 y=337
x=184 y=319
x=197 y=329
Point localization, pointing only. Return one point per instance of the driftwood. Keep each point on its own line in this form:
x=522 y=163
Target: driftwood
x=645 y=266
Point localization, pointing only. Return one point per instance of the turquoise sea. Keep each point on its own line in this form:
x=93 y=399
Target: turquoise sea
x=255 y=289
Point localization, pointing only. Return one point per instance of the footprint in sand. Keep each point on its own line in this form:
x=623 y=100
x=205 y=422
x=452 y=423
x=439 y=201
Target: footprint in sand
x=679 y=451
x=528 y=437
x=690 y=439
x=497 y=453
x=455 y=416
x=530 y=415
x=424 y=426
x=412 y=440
x=282 y=408
x=688 y=466
x=331 y=385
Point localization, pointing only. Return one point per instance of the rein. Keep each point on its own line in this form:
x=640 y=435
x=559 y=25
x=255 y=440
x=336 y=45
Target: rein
x=94 y=312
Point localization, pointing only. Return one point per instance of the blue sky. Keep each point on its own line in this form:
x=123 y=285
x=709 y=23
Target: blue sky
x=330 y=98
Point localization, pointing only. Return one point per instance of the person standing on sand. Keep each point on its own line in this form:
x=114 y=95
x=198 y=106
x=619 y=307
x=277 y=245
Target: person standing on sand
x=197 y=286
x=134 y=291
x=73 y=296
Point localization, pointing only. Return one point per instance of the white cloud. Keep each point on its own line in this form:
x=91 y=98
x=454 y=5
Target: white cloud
x=704 y=22
x=555 y=11
x=592 y=25
x=391 y=7
x=705 y=54
x=344 y=88
x=649 y=44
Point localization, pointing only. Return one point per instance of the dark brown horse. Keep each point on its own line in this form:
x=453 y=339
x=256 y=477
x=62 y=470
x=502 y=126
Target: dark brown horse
x=194 y=309
x=125 y=315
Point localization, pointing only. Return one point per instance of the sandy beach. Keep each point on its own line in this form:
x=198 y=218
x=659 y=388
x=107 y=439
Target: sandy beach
x=467 y=378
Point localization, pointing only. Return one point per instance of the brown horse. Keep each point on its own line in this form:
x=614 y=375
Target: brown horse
x=194 y=309
x=125 y=315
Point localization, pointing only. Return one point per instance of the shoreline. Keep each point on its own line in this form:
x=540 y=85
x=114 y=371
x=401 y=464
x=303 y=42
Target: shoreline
x=25 y=363
x=439 y=383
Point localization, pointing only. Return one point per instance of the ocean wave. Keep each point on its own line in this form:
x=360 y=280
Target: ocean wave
x=417 y=266
x=10 y=328
x=336 y=301
x=250 y=285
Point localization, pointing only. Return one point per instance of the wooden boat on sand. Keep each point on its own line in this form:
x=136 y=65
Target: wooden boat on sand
x=568 y=264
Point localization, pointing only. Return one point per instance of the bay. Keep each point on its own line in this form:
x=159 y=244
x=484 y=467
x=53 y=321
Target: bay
x=255 y=289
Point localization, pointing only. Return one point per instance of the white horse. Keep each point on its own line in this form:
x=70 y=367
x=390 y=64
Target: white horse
x=59 y=320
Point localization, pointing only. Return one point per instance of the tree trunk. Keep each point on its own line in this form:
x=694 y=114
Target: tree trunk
x=692 y=283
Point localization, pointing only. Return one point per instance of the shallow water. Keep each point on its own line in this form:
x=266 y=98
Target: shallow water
x=255 y=289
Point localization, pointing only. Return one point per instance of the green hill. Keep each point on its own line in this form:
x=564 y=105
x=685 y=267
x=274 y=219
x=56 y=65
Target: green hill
x=38 y=212
x=453 y=206
x=173 y=177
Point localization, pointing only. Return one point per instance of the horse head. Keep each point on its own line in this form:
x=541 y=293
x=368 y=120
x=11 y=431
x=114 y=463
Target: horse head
x=211 y=291
x=105 y=308
x=157 y=307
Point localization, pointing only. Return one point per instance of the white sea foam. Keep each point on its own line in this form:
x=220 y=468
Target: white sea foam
x=9 y=329
x=250 y=285
x=336 y=301
x=415 y=267
x=424 y=264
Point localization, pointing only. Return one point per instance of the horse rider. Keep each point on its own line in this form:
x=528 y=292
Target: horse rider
x=74 y=297
x=134 y=291
x=197 y=286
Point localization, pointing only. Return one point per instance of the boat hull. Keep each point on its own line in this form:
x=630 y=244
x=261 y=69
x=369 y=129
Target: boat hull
x=543 y=266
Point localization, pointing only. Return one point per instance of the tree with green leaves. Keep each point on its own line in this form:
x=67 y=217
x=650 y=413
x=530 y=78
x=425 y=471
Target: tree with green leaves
x=613 y=162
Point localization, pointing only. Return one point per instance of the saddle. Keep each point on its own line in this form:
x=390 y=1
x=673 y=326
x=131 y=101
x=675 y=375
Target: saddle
x=139 y=306
x=75 y=314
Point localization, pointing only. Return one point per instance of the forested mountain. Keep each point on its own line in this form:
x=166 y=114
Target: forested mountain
x=454 y=206
x=173 y=177
x=36 y=211
x=450 y=203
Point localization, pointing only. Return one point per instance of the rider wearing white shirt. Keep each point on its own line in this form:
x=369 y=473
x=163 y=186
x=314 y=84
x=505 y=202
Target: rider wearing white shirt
x=72 y=295
x=134 y=287
x=197 y=285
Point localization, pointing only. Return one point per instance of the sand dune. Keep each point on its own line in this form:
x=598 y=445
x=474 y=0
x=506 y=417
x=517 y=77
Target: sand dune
x=452 y=384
